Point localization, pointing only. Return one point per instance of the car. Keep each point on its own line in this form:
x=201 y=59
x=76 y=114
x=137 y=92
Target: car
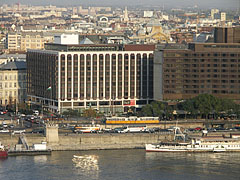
x=3 y=112
x=10 y=126
x=198 y=129
x=4 y=131
x=108 y=130
x=149 y=130
x=28 y=125
x=4 y=124
x=211 y=129
x=38 y=131
x=20 y=131
x=118 y=130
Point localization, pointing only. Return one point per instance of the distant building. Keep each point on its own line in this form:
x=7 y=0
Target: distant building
x=12 y=82
x=213 y=12
x=227 y=35
x=125 y=17
x=223 y=16
x=148 y=14
x=66 y=39
x=23 y=41
x=105 y=77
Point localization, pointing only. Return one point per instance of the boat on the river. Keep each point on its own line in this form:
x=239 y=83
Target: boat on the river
x=3 y=151
x=200 y=144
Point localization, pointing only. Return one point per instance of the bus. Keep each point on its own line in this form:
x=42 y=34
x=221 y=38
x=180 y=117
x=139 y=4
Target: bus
x=134 y=129
x=86 y=129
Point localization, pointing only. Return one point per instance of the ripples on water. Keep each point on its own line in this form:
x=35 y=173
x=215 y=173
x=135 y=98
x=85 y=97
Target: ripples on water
x=122 y=165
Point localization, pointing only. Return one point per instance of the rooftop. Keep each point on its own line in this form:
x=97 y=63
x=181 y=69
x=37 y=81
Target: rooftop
x=13 y=65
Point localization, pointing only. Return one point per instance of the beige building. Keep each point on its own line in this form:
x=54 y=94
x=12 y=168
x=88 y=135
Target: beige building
x=12 y=82
x=25 y=40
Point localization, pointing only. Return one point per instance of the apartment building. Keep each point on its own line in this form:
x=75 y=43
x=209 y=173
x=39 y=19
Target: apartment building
x=12 y=82
x=105 y=77
x=24 y=40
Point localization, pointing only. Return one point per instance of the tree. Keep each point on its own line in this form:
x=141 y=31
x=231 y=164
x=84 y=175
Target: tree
x=206 y=104
x=147 y=110
x=155 y=109
x=71 y=112
x=90 y=113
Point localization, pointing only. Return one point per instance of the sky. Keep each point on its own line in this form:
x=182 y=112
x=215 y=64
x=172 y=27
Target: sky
x=221 y=4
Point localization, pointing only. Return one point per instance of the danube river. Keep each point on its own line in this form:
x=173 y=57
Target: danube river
x=122 y=165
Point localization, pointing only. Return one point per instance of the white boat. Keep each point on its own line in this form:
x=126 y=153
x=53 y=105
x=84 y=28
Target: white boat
x=167 y=147
x=219 y=149
x=203 y=144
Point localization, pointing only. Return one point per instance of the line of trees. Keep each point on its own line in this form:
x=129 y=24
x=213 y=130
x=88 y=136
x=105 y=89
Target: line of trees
x=202 y=106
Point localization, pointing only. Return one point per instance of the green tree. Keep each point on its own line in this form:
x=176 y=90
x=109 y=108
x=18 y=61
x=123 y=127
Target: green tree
x=71 y=113
x=90 y=113
x=156 y=109
x=147 y=110
x=206 y=104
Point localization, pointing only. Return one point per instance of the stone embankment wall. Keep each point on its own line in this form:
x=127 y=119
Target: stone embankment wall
x=107 y=141
x=91 y=141
x=11 y=140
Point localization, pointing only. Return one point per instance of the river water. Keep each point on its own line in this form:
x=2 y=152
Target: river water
x=122 y=165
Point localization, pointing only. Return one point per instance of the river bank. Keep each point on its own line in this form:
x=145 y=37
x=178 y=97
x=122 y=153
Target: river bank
x=67 y=142
x=90 y=141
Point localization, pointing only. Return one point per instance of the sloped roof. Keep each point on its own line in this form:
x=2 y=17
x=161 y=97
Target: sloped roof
x=86 y=41
x=13 y=65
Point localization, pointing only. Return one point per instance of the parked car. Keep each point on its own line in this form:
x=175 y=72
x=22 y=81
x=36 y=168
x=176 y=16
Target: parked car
x=20 y=131
x=211 y=129
x=198 y=129
x=108 y=130
x=38 y=131
x=10 y=126
x=3 y=112
x=4 y=131
x=118 y=130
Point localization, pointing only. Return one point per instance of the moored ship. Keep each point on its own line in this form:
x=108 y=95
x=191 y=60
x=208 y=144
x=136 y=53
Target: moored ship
x=202 y=144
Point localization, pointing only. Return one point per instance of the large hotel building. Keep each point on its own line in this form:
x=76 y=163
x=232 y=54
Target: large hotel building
x=105 y=77
x=212 y=68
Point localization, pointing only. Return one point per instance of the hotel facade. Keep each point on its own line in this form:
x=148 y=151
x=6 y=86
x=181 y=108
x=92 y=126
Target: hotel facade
x=202 y=68
x=109 y=78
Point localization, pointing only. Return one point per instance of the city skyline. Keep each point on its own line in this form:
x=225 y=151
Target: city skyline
x=222 y=4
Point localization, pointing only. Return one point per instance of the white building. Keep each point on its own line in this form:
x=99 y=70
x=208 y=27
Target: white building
x=66 y=39
x=148 y=14
x=223 y=16
x=213 y=12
